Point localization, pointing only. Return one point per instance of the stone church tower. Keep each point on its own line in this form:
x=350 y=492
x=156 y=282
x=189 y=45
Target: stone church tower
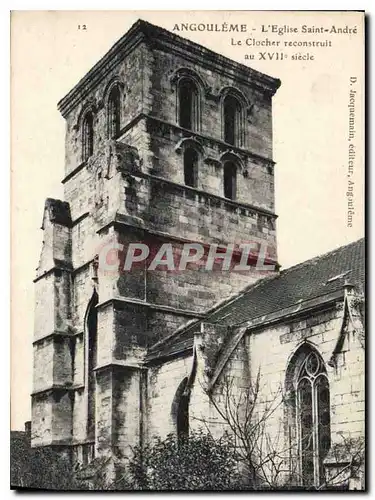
x=166 y=142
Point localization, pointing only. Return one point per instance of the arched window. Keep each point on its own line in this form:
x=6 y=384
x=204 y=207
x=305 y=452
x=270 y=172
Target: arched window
x=191 y=167
x=87 y=136
x=188 y=104
x=311 y=404
x=91 y=360
x=230 y=180
x=180 y=411
x=114 y=110
x=232 y=120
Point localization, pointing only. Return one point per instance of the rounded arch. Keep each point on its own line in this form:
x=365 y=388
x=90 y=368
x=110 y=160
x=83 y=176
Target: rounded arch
x=114 y=112
x=88 y=107
x=113 y=82
x=233 y=104
x=185 y=72
x=235 y=92
x=234 y=158
x=113 y=97
x=231 y=163
x=191 y=160
x=190 y=142
x=188 y=104
x=87 y=135
x=190 y=88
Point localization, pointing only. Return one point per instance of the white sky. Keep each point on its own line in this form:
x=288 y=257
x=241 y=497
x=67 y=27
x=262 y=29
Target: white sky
x=310 y=110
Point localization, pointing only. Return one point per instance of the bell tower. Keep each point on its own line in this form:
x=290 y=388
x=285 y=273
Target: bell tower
x=166 y=142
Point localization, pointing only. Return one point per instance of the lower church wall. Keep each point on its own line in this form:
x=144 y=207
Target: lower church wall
x=322 y=331
x=163 y=382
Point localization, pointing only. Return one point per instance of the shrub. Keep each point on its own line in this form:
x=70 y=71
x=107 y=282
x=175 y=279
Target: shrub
x=197 y=463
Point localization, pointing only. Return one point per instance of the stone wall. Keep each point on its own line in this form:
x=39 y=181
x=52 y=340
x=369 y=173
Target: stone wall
x=163 y=382
x=131 y=190
x=269 y=351
x=213 y=82
x=346 y=381
x=128 y=71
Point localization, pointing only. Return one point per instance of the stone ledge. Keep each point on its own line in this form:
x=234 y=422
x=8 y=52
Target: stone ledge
x=52 y=443
x=162 y=123
x=204 y=194
x=55 y=334
x=123 y=301
x=224 y=146
x=55 y=388
x=157 y=359
x=119 y=365
x=60 y=266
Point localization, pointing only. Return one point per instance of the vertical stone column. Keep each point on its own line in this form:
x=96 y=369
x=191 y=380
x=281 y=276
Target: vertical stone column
x=52 y=380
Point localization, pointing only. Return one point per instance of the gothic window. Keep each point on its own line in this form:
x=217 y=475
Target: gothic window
x=191 y=167
x=87 y=136
x=312 y=416
x=230 y=180
x=232 y=120
x=114 y=110
x=180 y=411
x=188 y=104
x=91 y=359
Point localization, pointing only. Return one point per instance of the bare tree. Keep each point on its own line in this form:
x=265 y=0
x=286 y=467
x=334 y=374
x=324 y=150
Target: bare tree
x=266 y=457
x=348 y=464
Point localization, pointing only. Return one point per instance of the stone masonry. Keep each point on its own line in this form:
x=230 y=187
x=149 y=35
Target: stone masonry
x=130 y=189
x=116 y=351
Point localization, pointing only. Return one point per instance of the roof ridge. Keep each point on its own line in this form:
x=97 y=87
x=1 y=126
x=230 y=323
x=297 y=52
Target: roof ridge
x=246 y=293
x=319 y=257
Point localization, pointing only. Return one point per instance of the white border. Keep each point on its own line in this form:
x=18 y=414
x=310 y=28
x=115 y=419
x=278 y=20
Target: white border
x=5 y=181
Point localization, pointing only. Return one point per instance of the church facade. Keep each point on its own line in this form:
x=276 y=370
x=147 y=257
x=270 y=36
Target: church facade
x=168 y=143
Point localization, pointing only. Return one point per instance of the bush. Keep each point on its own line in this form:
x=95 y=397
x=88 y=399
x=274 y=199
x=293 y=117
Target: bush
x=50 y=469
x=197 y=463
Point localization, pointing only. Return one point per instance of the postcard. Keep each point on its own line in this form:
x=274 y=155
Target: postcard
x=188 y=250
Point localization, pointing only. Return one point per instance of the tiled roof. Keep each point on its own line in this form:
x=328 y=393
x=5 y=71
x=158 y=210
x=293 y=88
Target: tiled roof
x=311 y=279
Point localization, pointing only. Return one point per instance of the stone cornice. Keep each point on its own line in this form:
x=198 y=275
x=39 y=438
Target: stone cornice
x=65 y=268
x=55 y=388
x=80 y=218
x=55 y=335
x=194 y=52
x=123 y=301
x=221 y=199
x=119 y=50
x=118 y=365
x=162 y=39
x=154 y=359
x=74 y=172
x=224 y=145
x=118 y=223
x=52 y=443
x=189 y=134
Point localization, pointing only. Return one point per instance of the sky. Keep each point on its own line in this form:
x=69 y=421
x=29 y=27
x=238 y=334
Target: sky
x=49 y=54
